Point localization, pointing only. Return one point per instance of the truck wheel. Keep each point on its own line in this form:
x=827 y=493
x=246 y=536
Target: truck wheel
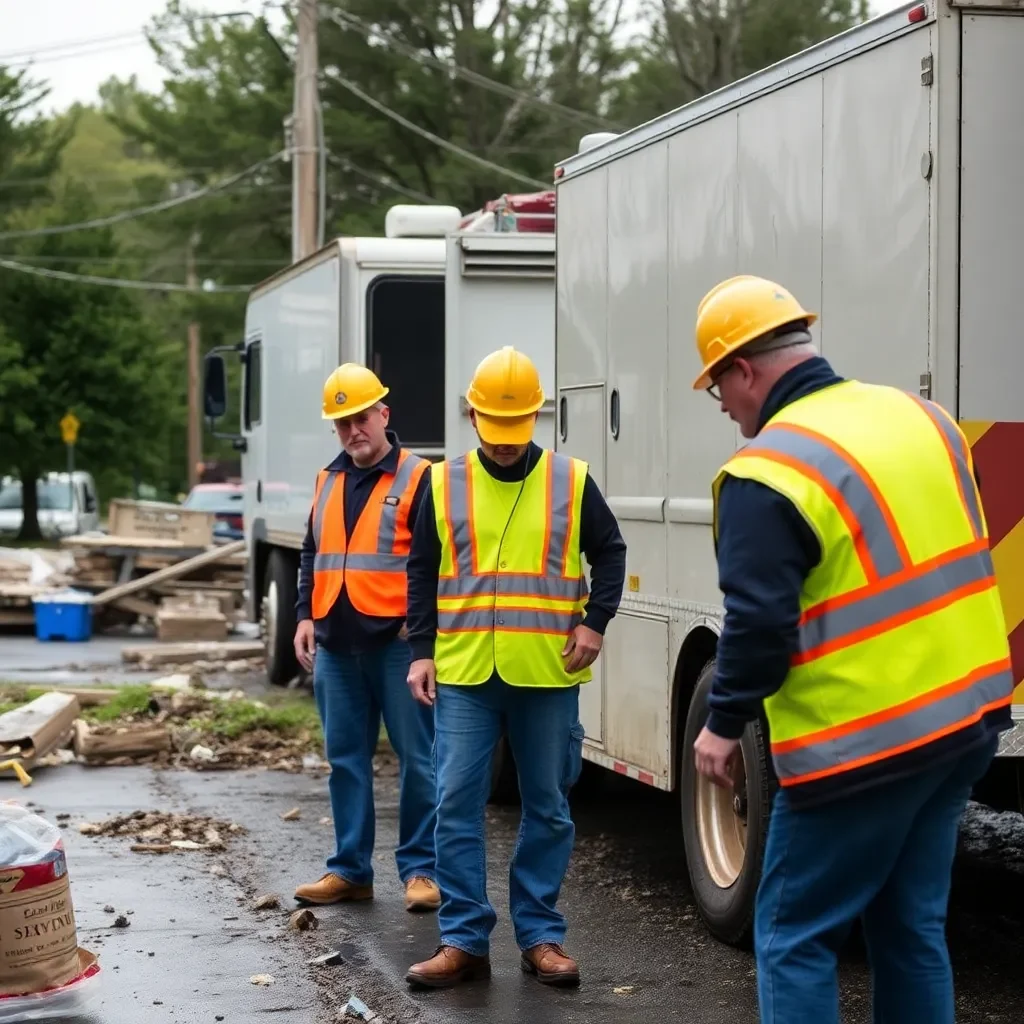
x=724 y=834
x=504 y=779
x=277 y=618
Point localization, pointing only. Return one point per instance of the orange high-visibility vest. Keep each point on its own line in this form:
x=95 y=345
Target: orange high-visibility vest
x=370 y=564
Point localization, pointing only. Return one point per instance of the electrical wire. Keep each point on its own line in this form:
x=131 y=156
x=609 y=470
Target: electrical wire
x=117 y=282
x=436 y=139
x=345 y=20
x=67 y=45
x=166 y=204
x=130 y=258
x=403 y=190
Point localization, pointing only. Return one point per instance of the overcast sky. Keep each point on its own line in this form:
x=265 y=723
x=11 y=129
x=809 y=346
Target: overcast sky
x=77 y=44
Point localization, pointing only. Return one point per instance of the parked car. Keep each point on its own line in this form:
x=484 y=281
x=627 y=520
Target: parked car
x=66 y=506
x=225 y=502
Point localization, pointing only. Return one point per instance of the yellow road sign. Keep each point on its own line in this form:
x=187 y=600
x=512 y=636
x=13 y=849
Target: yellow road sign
x=69 y=425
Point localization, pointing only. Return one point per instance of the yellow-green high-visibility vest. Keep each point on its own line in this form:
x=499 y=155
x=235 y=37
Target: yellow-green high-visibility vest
x=902 y=640
x=511 y=586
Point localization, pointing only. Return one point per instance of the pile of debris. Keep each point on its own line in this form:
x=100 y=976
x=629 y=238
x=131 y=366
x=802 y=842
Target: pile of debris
x=173 y=722
x=159 y=832
x=160 y=563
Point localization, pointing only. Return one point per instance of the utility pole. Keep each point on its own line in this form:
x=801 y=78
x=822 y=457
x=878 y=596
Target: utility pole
x=195 y=436
x=305 y=196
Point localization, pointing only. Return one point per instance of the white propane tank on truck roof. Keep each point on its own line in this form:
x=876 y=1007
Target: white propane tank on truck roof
x=408 y=221
x=595 y=139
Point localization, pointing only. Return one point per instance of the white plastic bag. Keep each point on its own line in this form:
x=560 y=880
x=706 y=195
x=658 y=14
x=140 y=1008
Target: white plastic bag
x=44 y=974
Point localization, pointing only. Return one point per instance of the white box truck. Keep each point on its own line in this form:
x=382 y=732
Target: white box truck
x=877 y=176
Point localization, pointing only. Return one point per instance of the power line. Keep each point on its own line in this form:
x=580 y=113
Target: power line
x=436 y=139
x=345 y=20
x=68 y=44
x=133 y=258
x=166 y=204
x=116 y=282
x=380 y=180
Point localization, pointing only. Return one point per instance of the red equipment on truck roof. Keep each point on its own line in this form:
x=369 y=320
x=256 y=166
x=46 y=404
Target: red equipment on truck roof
x=532 y=212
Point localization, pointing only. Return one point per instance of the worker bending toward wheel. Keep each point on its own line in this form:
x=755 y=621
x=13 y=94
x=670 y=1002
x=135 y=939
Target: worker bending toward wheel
x=351 y=610
x=503 y=634
x=861 y=613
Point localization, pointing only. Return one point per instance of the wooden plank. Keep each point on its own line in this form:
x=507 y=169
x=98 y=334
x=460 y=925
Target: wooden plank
x=132 y=742
x=171 y=572
x=170 y=654
x=17 y=618
x=36 y=728
x=137 y=606
x=112 y=540
x=161 y=520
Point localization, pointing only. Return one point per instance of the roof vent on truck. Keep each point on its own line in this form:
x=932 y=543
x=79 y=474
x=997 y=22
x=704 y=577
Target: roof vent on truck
x=595 y=139
x=408 y=221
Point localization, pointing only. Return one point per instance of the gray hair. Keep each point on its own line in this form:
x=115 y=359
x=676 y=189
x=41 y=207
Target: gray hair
x=783 y=345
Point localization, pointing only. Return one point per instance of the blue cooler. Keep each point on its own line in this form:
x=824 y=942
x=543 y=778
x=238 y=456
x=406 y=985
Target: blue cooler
x=63 y=616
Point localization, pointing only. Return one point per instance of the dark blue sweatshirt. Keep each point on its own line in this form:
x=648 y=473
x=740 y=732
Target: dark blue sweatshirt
x=600 y=541
x=765 y=552
x=344 y=630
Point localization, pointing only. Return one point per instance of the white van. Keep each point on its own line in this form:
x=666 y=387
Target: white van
x=66 y=507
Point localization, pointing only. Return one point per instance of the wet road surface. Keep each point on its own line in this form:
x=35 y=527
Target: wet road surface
x=632 y=924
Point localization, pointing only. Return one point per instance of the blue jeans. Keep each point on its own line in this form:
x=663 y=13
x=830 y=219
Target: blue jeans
x=885 y=856
x=352 y=691
x=546 y=739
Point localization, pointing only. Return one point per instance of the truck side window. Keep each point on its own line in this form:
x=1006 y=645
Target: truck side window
x=405 y=348
x=253 y=384
x=90 y=497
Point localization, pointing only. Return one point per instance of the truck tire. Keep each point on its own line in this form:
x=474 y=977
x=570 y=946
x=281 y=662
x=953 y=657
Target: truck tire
x=724 y=835
x=277 y=617
x=504 y=778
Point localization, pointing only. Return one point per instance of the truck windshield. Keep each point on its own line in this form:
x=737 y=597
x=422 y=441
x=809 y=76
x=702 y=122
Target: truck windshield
x=405 y=341
x=52 y=495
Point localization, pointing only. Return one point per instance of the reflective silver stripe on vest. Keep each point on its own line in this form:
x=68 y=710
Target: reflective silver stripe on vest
x=877 y=741
x=458 y=515
x=875 y=609
x=389 y=513
x=321 y=505
x=360 y=563
x=561 y=512
x=498 y=618
x=846 y=479
x=550 y=587
x=963 y=471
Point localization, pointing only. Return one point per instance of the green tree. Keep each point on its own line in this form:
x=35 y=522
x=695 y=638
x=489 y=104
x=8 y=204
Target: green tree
x=88 y=348
x=693 y=47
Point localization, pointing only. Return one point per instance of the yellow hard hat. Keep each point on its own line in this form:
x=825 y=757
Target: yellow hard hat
x=737 y=312
x=505 y=392
x=351 y=388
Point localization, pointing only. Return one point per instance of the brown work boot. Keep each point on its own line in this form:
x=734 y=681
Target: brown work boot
x=551 y=965
x=448 y=966
x=333 y=889
x=422 y=894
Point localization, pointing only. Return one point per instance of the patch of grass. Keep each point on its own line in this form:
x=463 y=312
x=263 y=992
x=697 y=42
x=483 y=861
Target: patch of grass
x=229 y=719
x=129 y=700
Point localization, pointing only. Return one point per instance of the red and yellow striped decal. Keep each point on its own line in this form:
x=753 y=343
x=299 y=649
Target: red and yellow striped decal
x=998 y=451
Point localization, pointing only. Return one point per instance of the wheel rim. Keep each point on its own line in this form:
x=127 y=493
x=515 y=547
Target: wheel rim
x=722 y=827
x=268 y=619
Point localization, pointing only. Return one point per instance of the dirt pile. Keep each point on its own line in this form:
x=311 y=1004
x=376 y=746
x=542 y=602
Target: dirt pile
x=160 y=832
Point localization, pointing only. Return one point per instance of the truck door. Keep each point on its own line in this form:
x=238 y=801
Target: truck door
x=991 y=369
x=254 y=453
x=581 y=433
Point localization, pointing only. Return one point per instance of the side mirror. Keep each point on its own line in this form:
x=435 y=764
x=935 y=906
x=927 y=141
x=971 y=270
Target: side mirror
x=215 y=387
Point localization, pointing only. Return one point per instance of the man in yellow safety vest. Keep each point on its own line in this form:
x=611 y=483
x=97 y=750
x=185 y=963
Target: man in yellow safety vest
x=862 y=616
x=503 y=632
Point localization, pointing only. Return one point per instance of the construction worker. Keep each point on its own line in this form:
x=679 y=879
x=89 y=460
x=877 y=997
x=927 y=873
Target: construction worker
x=862 y=615
x=503 y=634
x=351 y=611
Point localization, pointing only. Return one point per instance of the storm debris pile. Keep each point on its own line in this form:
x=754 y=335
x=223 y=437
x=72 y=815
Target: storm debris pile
x=161 y=832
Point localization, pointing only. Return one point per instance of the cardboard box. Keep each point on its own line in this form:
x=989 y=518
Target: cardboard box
x=156 y=520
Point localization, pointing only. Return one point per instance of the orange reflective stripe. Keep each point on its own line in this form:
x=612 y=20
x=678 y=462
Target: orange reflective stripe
x=877 y=608
x=896 y=730
x=959 y=460
x=876 y=538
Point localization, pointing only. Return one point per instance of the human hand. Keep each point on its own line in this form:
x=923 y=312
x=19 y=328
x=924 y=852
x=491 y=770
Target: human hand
x=717 y=758
x=305 y=644
x=422 y=680
x=582 y=648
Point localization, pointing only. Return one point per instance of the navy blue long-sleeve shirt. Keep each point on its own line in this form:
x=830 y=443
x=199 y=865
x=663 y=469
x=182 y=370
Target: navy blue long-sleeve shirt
x=766 y=550
x=600 y=541
x=345 y=630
